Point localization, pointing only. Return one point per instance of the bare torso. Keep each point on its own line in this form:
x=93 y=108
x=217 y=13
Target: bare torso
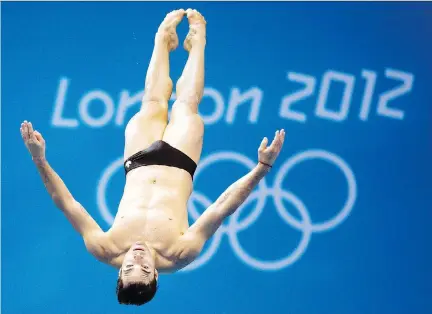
x=153 y=209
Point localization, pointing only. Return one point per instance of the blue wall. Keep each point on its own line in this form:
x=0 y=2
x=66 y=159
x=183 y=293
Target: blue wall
x=341 y=224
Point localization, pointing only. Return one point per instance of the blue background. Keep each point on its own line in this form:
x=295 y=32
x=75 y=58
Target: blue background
x=376 y=261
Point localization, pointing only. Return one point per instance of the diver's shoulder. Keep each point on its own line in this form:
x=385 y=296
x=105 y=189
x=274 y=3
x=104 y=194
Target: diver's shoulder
x=188 y=248
x=99 y=245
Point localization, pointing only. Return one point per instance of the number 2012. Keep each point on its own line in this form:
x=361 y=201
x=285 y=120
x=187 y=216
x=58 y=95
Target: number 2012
x=383 y=107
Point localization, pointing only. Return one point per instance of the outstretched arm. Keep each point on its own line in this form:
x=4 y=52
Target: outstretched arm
x=63 y=199
x=238 y=192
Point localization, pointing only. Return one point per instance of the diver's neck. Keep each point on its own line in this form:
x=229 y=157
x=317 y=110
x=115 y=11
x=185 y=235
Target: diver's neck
x=152 y=252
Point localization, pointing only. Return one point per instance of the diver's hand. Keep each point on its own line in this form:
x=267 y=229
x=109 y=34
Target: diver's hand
x=268 y=155
x=33 y=140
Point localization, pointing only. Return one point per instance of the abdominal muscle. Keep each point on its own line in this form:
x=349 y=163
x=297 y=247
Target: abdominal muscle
x=153 y=209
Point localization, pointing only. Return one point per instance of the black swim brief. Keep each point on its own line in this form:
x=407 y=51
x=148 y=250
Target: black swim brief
x=163 y=154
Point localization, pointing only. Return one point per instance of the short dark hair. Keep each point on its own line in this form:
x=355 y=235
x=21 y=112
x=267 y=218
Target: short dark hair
x=136 y=293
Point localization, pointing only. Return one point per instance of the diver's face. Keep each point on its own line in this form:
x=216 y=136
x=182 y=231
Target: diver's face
x=138 y=265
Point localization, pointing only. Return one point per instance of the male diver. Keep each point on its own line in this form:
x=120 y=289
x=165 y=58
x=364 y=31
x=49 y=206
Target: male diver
x=151 y=233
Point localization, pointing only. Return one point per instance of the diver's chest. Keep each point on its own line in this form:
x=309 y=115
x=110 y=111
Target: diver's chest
x=151 y=225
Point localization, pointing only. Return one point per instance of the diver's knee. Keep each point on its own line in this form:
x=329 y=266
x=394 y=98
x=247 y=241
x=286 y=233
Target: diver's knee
x=154 y=108
x=158 y=91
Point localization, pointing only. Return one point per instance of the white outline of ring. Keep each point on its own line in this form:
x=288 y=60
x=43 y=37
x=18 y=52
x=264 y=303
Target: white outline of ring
x=328 y=224
x=285 y=261
x=217 y=237
x=222 y=156
x=101 y=189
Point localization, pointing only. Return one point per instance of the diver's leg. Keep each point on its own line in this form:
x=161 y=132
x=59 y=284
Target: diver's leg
x=149 y=124
x=186 y=129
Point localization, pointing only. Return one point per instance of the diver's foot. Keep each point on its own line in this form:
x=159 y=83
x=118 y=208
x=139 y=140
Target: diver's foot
x=166 y=33
x=197 y=29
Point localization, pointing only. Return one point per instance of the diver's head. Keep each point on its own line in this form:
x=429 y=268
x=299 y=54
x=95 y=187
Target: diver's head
x=137 y=281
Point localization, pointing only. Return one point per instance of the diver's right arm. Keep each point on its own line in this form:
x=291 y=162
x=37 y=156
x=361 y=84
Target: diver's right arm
x=63 y=199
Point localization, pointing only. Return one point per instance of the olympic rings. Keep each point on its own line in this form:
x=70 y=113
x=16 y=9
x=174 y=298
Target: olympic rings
x=259 y=196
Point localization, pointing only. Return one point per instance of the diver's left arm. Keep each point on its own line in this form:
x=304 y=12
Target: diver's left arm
x=236 y=194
